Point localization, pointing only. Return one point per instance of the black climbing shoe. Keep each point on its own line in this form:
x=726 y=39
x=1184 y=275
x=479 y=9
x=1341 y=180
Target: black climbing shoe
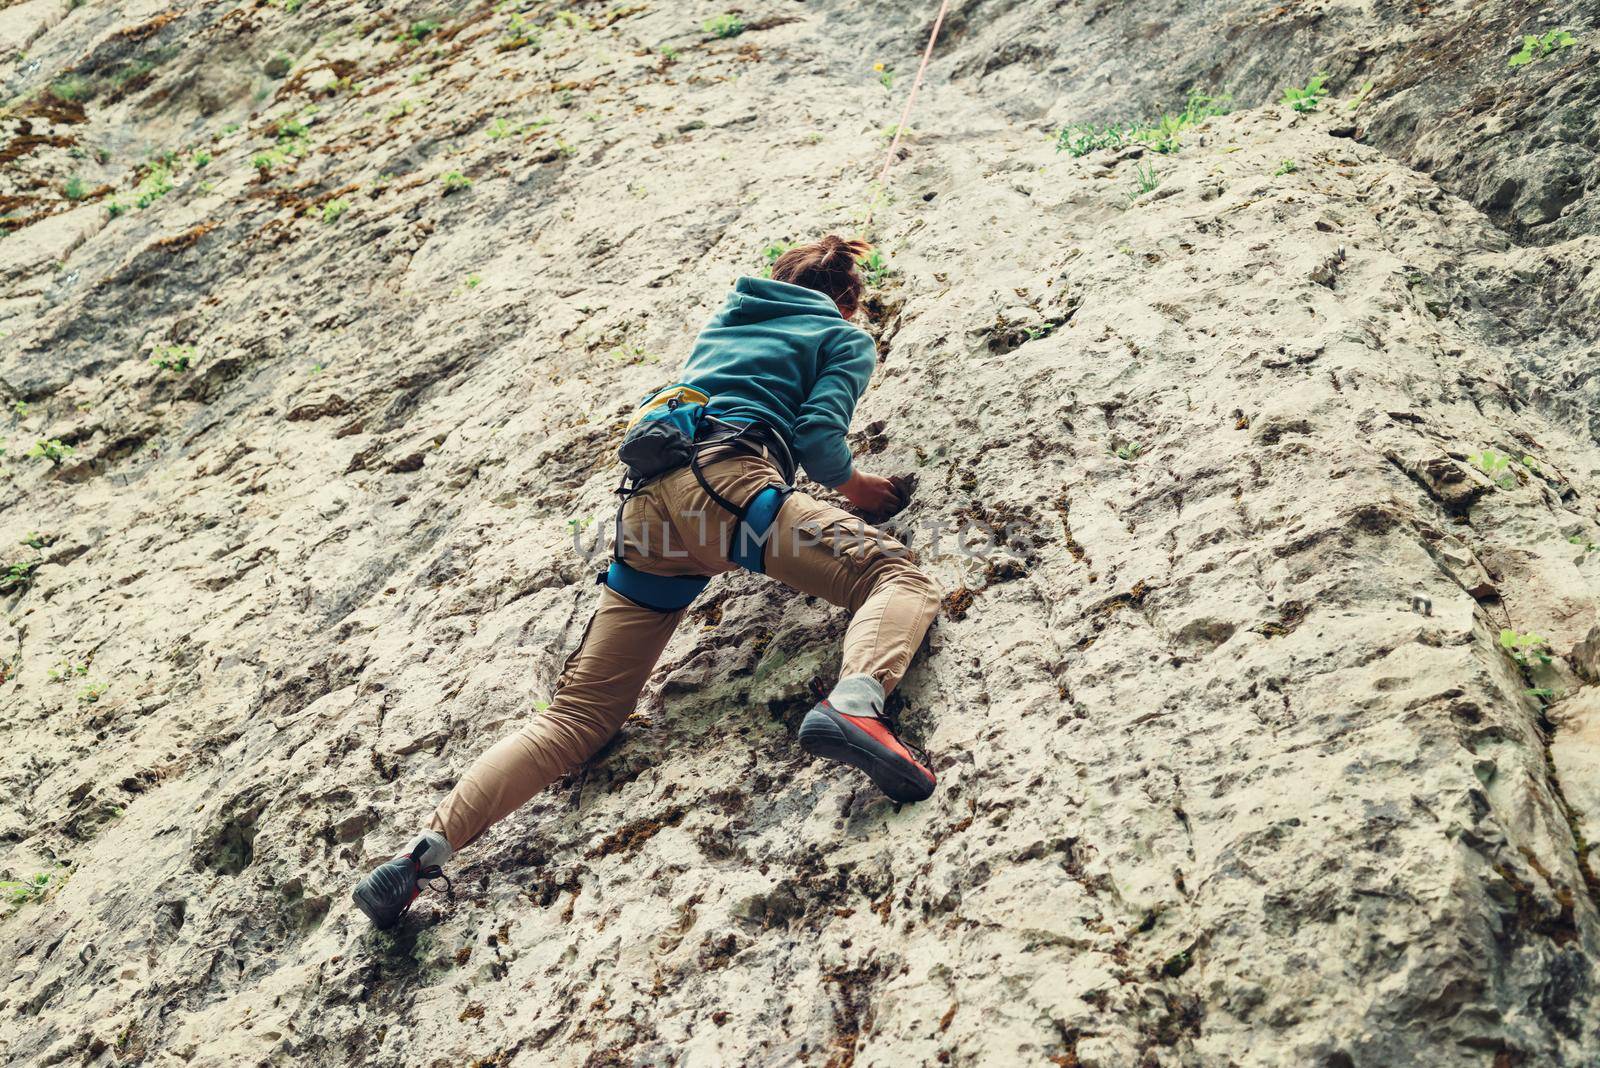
x=389 y=890
x=867 y=743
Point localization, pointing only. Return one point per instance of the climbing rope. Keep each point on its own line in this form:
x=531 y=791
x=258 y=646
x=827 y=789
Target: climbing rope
x=905 y=115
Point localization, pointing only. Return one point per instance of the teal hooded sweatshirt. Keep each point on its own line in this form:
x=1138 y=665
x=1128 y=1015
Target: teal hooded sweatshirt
x=783 y=354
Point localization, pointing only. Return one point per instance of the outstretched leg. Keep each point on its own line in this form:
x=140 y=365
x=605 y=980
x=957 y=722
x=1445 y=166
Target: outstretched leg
x=594 y=695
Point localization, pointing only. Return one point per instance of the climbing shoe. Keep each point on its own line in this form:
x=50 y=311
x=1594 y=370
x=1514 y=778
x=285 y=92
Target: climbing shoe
x=389 y=890
x=848 y=726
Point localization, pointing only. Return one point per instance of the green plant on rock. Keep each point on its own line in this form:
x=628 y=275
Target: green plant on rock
x=632 y=354
x=52 y=449
x=1361 y=96
x=333 y=209
x=200 y=158
x=455 y=182
x=73 y=188
x=66 y=669
x=726 y=25
x=1528 y=650
x=156 y=183
x=1145 y=179
x=174 y=358
x=1162 y=134
x=20 y=892
x=1306 y=98
x=17 y=577
x=885 y=74
x=1538 y=47
x=1287 y=166
x=874 y=267
x=1497 y=466
x=770 y=253
x=573 y=21
x=92 y=693
x=72 y=89
x=1129 y=450
x=417 y=31
x=520 y=33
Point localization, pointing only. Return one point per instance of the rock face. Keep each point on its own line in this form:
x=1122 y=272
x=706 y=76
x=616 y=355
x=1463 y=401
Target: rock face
x=1251 y=717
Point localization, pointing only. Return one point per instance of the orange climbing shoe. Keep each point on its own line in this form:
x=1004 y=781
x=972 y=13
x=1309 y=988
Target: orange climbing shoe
x=859 y=737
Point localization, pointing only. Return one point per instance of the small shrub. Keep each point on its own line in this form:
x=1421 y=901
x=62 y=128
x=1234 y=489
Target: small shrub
x=174 y=358
x=73 y=189
x=333 y=209
x=157 y=183
x=20 y=892
x=17 y=577
x=1497 y=467
x=885 y=75
x=874 y=268
x=1528 y=650
x=91 y=693
x=53 y=450
x=455 y=182
x=72 y=88
x=418 y=30
x=520 y=33
x=115 y=207
x=723 y=26
x=770 y=255
x=67 y=670
x=200 y=158
x=1538 y=47
x=1307 y=98
x=1287 y=166
x=1128 y=451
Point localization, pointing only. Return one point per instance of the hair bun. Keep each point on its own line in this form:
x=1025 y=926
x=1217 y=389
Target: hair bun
x=827 y=265
x=835 y=248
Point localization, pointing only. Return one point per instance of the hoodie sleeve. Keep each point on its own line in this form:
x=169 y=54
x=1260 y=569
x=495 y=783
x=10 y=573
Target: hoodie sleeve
x=824 y=418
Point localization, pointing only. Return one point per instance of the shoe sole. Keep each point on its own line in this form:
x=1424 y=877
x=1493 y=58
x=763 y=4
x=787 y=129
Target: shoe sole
x=825 y=736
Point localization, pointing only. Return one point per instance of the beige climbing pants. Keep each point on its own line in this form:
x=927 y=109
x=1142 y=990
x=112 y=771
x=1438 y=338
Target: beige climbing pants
x=674 y=528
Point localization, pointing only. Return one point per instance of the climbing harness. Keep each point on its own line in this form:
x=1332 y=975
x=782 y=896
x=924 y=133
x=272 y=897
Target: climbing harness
x=667 y=433
x=905 y=115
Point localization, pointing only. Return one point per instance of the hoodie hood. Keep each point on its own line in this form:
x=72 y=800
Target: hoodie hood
x=756 y=300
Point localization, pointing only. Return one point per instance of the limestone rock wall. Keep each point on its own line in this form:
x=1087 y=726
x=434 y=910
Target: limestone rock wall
x=1279 y=432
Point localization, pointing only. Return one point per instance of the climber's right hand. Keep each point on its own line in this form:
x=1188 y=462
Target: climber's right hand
x=875 y=496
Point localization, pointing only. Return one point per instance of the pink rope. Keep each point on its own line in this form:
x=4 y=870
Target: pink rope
x=905 y=116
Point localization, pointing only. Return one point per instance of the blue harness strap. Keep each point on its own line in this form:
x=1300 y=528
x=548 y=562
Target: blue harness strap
x=749 y=548
x=659 y=593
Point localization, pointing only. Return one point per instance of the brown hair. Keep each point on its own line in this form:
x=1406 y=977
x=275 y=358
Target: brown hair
x=828 y=266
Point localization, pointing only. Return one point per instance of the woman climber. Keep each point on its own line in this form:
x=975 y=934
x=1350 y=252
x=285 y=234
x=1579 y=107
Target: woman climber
x=777 y=372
